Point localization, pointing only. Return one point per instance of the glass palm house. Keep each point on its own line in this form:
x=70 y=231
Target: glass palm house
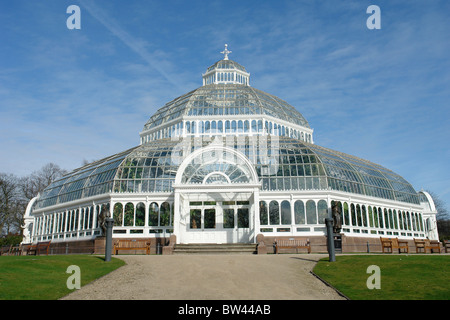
x=225 y=163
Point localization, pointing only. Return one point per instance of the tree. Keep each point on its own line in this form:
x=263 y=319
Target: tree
x=442 y=216
x=39 y=180
x=12 y=204
x=15 y=193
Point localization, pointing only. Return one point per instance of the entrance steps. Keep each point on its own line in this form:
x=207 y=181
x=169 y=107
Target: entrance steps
x=228 y=248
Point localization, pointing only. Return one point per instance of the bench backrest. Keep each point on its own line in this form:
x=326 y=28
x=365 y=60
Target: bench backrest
x=131 y=243
x=292 y=242
x=43 y=244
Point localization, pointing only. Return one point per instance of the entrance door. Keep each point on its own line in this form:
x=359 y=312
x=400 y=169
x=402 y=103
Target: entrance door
x=204 y=222
x=236 y=216
x=219 y=222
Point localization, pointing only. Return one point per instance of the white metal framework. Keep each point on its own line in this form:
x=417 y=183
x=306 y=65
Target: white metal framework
x=224 y=163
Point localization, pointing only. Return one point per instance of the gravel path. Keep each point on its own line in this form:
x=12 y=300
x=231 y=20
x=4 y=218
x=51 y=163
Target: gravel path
x=210 y=277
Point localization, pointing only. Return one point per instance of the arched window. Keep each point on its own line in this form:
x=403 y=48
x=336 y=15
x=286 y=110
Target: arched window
x=386 y=219
x=370 y=217
x=240 y=126
x=395 y=219
x=311 y=216
x=285 y=212
x=77 y=216
x=380 y=218
x=188 y=127
x=322 y=211
x=254 y=128
x=299 y=212
x=263 y=217
x=165 y=214
x=391 y=219
x=246 y=126
x=408 y=219
x=375 y=217
x=227 y=126
x=358 y=215
x=346 y=215
x=353 y=213
x=140 y=214
x=220 y=126
x=128 y=219
x=274 y=212
x=153 y=212
x=213 y=127
x=233 y=126
x=260 y=126
x=401 y=220
x=364 y=215
x=63 y=222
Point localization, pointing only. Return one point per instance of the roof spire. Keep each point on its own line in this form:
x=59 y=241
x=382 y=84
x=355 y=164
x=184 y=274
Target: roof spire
x=226 y=52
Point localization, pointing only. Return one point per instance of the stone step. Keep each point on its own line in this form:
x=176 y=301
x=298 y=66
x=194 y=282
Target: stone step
x=235 y=248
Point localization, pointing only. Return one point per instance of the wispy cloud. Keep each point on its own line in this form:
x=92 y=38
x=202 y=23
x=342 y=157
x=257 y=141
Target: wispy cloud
x=139 y=46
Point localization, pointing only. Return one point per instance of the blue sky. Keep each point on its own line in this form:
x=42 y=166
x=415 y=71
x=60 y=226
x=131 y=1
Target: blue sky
x=73 y=95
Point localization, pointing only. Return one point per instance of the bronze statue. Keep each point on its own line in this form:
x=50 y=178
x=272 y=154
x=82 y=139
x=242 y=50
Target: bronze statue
x=336 y=213
x=104 y=213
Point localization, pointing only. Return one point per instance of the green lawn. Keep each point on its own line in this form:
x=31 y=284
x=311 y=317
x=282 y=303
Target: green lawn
x=402 y=277
x=45 y=277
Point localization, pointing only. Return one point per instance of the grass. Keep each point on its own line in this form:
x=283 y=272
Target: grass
x=402 y=277
x=45 y=277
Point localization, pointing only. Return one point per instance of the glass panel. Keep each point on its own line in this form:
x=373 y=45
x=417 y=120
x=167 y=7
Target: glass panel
x=380 y=218
x=263 y=217
x=195 y=221
x=299 y=209
x=153 y=213
x=322 y=211
x=117 y=214
x=274 y=212
x=311 y=216
x=128 y=220
x=140 y=214
x=165 y=214
x=358 y=215
x=285 y=212
x=228 y=218
x=243 y=218
x=210 y=218
x=353 y=213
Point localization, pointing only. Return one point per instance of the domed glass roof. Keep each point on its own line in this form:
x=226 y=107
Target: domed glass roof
x=224 y=100
x=226 y=64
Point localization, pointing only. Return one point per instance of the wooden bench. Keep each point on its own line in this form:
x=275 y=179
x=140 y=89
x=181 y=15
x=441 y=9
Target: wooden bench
x=133 y=244
x=446 y=245
x=389 y=244
x=16 y=250
x=38 y=247
x=427 y=244
x=292 y=244
x=5 y=250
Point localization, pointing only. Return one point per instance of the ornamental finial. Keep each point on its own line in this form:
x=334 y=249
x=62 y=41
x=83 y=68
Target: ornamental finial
x=226 y=52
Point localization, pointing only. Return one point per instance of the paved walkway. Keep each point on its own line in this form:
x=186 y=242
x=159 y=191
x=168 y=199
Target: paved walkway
x=210 y=277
